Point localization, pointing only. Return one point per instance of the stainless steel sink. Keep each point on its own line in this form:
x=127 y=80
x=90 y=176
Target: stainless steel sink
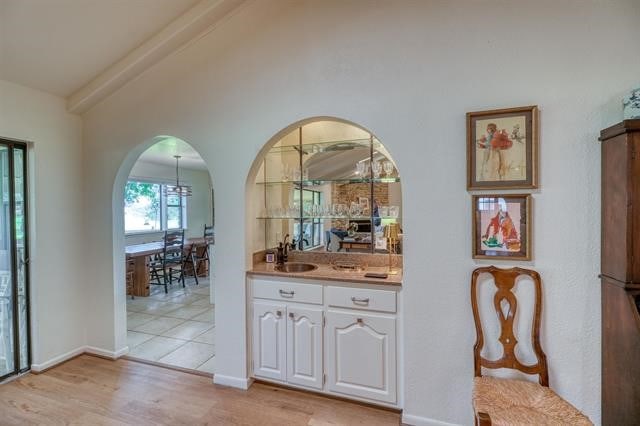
x=296 y=267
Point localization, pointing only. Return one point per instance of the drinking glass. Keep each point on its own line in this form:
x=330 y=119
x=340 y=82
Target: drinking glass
x=356 y=210
x=377 y=169
x=286 y=173
x=388 y=168
x=340 y=210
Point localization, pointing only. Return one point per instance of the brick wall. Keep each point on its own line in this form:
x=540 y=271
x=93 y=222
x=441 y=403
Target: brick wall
x=346 y=193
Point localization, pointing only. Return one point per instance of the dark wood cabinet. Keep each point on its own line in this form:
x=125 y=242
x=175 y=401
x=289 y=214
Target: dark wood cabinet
x=621 y=274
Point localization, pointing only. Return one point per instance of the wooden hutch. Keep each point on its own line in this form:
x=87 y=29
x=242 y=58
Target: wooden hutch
x=621 y=274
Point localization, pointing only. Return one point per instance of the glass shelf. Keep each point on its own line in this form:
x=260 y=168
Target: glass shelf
x=316 y=182
x=327 y=146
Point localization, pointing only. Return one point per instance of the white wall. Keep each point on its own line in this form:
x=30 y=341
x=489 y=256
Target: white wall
x=408 y=71
x=58 y=287
x=198 y=206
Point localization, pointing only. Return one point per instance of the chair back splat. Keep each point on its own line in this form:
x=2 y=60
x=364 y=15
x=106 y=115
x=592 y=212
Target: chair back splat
x=209 y=234
x=505 y=300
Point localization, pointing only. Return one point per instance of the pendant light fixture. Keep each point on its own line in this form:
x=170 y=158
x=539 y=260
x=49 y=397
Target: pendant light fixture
x=177 y=189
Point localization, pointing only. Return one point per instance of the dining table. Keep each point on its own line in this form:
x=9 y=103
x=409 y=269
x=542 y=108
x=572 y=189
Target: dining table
x=137 y=263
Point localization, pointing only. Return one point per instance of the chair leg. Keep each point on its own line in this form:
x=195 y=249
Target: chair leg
x=166 y=288
x=195 y=267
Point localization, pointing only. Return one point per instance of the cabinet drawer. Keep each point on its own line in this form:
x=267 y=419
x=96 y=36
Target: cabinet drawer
x=362 y=298
x=285 y=291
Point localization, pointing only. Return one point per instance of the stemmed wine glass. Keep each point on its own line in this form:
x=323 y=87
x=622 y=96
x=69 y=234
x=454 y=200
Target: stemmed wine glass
x=388 y=168
x=376 y=167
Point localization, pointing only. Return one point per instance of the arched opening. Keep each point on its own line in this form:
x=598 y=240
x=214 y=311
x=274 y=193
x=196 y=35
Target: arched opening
x=325 y=243
x=163 y=233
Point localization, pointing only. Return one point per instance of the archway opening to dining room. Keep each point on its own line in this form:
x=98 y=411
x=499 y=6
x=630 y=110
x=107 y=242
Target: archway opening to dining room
x=169 y=237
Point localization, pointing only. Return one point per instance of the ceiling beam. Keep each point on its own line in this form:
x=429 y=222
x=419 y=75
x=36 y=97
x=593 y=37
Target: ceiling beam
x=200 y=18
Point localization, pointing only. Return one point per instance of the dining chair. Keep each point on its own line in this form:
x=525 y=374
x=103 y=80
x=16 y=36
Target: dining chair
x=196 y=258
x=169 y=263
x=501 y=402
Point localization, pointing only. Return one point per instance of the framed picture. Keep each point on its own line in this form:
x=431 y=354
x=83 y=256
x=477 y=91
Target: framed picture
x=502 y=149
x=502 y=227
x=364 y=202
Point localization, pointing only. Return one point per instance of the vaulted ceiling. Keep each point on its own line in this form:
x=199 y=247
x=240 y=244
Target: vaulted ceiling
x=83 y=50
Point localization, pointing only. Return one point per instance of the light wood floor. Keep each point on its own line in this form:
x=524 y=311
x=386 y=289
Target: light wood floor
x=94 y=391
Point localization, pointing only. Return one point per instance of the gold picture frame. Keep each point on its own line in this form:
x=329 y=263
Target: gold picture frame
x=501 y=226
x=502 y=149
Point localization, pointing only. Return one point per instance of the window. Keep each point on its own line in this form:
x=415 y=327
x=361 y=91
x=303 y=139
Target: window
x=147 y=208
x=311 y=227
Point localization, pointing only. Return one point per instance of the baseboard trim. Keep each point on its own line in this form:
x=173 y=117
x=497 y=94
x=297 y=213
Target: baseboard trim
x=40 y=368
x=409 y=419
x=234 y=382
x=82 y=350
x=92 y=350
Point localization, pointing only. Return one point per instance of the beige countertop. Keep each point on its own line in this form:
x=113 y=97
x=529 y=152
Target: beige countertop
x=326 y=272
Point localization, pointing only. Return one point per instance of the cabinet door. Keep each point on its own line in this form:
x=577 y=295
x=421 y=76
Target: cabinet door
x=304 y=347
x=269 y=340
x=361 y=355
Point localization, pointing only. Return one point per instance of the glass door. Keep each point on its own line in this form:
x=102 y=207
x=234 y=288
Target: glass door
x=14 y=257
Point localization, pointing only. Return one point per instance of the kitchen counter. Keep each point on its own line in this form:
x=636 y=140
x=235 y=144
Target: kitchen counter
x=326 y=272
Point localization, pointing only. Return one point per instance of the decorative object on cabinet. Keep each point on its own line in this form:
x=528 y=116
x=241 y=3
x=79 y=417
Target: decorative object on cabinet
x=620 y=273
x=502 y=227
x=631 y=105
x=502 y=149
x=508 y=401
x=392 y=234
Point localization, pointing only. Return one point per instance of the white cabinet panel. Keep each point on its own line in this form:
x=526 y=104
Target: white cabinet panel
x=361 y=355
x=287 y=291
x=304 y=346
x=361 y=298
x=269 y=340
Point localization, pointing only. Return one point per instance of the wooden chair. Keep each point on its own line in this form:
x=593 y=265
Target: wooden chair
x=507 y=401
x=170 y=262
x=196 y=258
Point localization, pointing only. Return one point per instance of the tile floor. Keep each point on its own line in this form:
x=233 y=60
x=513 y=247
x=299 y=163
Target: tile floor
x=176 y=328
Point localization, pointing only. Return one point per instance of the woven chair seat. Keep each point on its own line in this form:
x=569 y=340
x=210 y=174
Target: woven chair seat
x=520 y=402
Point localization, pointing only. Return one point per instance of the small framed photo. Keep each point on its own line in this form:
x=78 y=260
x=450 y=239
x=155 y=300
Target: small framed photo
x=364 y=202
x=502 y=227
x=502 y=149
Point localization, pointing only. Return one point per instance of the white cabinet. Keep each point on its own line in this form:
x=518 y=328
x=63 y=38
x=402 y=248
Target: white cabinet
x=361 y=355
x=329 y=337
x=304 y=346
x=269 y=340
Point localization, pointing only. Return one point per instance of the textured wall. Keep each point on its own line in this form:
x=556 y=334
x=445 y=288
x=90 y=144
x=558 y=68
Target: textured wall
x=407 y=71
